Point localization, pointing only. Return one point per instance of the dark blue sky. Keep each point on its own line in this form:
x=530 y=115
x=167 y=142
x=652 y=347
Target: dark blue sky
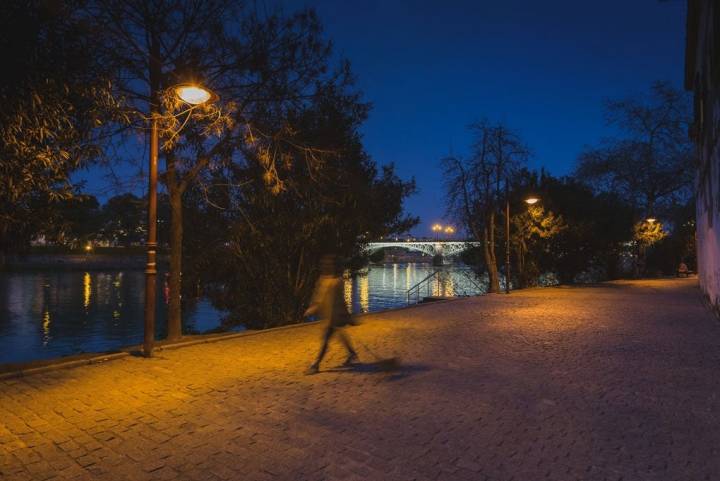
x=543 y=67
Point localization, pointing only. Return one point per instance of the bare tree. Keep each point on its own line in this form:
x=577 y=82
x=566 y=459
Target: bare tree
x=475 y=185
x=649 y=164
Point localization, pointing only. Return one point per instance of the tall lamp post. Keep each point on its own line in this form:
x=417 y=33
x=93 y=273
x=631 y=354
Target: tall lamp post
x=530 y=200
x=437 y=228
x=193 y=95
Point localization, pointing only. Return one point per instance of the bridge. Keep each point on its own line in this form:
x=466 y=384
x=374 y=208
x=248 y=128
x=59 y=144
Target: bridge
x=431 y=248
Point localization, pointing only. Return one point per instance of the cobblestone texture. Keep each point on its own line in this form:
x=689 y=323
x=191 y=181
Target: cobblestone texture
x=618 y=382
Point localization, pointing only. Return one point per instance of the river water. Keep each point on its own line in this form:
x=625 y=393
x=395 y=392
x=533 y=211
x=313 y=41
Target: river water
x=46 y=314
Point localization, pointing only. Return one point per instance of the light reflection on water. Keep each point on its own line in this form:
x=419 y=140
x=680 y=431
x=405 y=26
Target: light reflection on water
x=47 y=314
x=386 y=286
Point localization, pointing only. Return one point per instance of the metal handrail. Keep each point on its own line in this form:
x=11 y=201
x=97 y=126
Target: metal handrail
x=470 y=277
x=417 y=286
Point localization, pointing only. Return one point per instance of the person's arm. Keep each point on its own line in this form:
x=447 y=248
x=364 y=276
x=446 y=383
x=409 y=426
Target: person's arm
x=315 y=301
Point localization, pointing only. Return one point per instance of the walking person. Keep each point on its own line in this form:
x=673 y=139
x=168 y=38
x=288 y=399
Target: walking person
x=328 y=304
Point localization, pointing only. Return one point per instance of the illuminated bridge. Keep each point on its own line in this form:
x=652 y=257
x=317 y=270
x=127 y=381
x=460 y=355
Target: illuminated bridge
x=431 y=248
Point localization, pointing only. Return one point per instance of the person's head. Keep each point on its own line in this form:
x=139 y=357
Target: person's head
x=329 y=265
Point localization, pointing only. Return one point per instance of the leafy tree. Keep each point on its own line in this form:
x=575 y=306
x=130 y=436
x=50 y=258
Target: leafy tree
x=257 y=248
x=475 y=186
x=678 y=246
x=57 y=106
x=123 y=220
x=263 y=66
x=645 y=235
x=533 y=229
x=648 y=233
x=72 y=222
x=648 y=166
x=596 y=227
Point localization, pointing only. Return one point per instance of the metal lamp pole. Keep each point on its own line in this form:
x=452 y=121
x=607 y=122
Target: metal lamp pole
x=507 y=238
x=151 y=244
x=193 y=95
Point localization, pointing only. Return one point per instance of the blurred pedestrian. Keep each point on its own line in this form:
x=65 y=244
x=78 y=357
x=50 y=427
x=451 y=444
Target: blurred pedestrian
x=328 y=304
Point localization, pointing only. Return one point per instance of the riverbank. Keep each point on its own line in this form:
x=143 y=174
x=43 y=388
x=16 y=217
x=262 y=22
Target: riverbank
x=91 y=261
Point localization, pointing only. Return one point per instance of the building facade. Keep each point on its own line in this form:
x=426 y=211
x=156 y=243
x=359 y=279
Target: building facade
x=702 y=77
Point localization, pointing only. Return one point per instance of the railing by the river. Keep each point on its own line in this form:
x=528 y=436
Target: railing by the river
x=440 y=283
x=414 y=291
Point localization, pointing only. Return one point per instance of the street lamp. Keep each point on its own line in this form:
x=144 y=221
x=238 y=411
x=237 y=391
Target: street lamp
x=449 y=230
x=651 y=220
x=529 y=200
x=436 y=228
x=194 y=95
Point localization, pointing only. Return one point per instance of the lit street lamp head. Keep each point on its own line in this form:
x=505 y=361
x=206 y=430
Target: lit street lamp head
x=532 y=200
x=650 y=220
x=436 y=228
x=194 y=94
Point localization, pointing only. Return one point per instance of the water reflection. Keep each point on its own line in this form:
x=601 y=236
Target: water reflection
x=46 y=328
x=51 y=314
x=87 y=289
x=364 y=293
x=386 y=286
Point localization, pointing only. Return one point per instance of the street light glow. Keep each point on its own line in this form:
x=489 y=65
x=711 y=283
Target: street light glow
x=437 y=228
x=449 y=230
x=532 y=200
x=650 y=220
x=194 y=94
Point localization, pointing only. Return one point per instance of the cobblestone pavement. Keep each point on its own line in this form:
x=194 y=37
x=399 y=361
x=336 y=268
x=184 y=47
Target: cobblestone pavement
x=618 y=382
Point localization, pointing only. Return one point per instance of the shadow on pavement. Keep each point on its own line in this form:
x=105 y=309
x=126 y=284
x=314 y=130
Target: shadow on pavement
x=380 y=367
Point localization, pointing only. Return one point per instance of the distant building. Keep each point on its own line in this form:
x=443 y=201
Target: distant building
x=702 y=76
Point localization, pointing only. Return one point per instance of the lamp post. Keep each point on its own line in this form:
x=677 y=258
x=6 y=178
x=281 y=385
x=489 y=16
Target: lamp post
x=507 y=236
x=530 y=200
x=437 y=228
x=193 y=95
x=449 y=230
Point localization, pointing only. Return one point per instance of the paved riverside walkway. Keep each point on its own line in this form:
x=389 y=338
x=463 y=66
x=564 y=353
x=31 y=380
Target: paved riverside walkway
x=618 y=382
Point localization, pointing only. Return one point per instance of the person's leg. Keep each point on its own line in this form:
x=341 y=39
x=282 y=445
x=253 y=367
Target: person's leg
x=323 y=348
x=345 y=339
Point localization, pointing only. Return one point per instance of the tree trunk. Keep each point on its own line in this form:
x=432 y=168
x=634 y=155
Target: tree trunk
x=176 y=239
x=489 y=251
x=520 y=254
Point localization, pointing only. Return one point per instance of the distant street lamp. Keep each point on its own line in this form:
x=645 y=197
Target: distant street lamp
x=194 y=95
x=530 y=200
x=449 y=230
x=651 y=220
x=437 y=228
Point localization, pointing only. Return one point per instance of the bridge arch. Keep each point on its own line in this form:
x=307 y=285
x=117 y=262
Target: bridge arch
x=431 y=248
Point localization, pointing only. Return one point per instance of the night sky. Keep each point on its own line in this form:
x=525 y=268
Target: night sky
x=430 y=68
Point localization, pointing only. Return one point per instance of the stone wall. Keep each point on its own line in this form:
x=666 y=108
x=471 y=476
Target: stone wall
x=702 y=76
